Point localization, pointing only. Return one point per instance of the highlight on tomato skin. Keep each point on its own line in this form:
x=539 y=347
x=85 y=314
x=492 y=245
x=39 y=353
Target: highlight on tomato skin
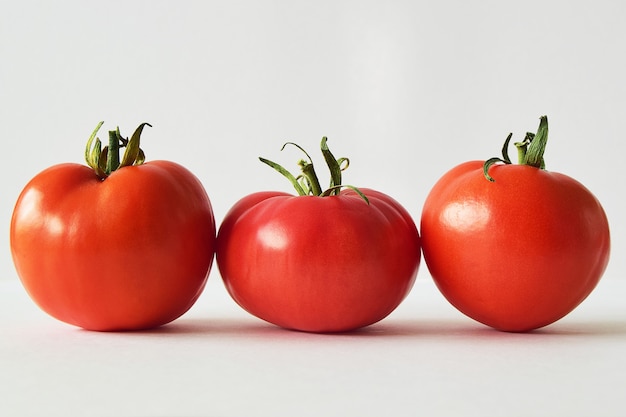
x=121 y=244
x=514 y=246
x=322 y=261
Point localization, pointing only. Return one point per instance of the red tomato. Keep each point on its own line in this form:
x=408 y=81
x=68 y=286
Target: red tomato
x=131 y=251
x=318 y=264
x=518 y=253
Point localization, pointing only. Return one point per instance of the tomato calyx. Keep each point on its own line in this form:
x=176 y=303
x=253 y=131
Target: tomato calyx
x=106 y=160
x=529 y=151
x=308 y=183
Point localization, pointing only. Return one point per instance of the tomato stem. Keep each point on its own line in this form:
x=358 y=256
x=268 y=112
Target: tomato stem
x=529 y=151
x=333 y=166
x=522 y=147
x=106 y=160
x=308 y=172
x=308 y=183
x=113 y=156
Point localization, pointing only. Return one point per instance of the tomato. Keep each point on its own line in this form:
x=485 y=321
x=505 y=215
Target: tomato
x=318 y=263
x=128 y=251
x=516 y=252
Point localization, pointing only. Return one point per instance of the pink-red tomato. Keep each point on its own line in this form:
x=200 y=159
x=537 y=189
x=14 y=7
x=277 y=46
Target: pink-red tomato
x=318 y=264
x=132 y=251
x=518 y=253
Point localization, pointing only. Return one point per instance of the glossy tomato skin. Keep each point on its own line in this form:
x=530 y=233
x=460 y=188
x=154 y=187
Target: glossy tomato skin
x=318 y=264
x=129 y=252
x=516 y=254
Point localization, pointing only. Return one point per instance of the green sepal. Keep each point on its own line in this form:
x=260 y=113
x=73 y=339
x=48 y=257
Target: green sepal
x=529 y=151
x=307 y=183
x=333 y=165
x=133 y=155
x=103 y=157
x=286 y=174
x=337 y=188
x=93 y=151
x=537 y=146
x=488 y=164
x=113 y=154
x=492 y=161
x=105 y=160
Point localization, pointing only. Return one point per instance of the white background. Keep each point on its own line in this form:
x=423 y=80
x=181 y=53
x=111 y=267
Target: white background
x=406 y=89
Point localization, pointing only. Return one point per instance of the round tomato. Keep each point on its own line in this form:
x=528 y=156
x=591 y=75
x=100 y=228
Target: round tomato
x=318 y=263
x=515 y=247
x=130 y=250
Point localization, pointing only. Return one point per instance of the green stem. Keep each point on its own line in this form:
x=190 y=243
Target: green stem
x=293 y=180
x=521 y=151
x=529 y=152
x=333 y=165
x=308 y=170
x=309 y=184
x=113 y=155
x=106 y=160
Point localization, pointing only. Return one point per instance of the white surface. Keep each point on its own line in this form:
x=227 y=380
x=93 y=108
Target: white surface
x=425 y=359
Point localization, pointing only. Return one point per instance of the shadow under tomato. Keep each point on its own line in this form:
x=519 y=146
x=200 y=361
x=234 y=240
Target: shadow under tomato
x=452 y=328
x=399 y=328
x=615 y=327
x=256 y=327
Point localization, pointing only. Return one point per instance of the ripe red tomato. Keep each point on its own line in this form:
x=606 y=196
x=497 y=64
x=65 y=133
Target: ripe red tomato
x=129 y=251
x=318 y=264
x=517 y=253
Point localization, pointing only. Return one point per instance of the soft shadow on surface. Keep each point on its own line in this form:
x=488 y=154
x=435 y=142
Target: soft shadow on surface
x=452 y=328
x=615 y=327
x=200 y=327
x=399 y=328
